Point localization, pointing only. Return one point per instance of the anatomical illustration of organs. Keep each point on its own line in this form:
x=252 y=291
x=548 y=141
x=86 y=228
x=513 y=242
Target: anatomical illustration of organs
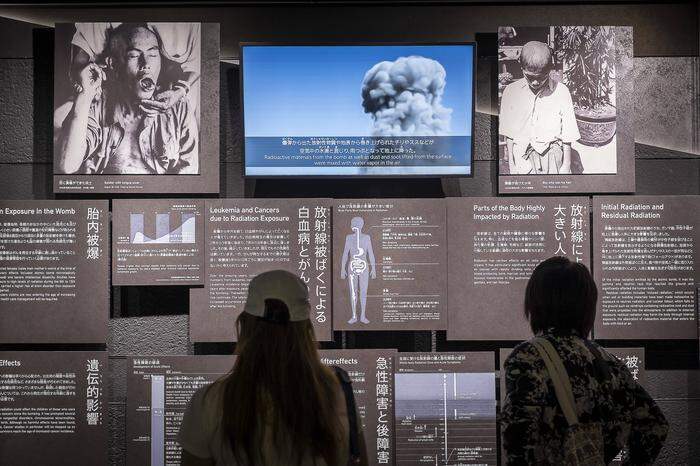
x=356 y=261
x=358 y=264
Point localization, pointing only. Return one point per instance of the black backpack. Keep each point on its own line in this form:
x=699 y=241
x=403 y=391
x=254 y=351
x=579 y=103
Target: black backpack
x=346 y=385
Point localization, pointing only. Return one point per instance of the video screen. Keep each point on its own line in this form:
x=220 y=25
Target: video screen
x=358 y=110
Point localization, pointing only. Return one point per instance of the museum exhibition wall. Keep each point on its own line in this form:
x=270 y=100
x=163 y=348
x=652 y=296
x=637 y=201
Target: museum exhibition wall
x=271 y=137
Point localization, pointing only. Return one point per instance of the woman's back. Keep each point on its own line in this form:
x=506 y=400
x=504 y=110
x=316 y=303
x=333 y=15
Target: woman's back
x=279 y=404
x=201 y=434
x=533 y=420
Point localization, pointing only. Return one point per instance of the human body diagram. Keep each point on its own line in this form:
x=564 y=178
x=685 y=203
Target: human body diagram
x=357 y=270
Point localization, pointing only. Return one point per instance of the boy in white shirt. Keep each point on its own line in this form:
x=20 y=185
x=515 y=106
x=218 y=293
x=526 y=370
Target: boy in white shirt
x=537 y=117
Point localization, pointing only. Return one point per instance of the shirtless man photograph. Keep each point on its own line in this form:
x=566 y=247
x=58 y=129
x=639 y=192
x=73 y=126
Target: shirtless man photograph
x=117 y=122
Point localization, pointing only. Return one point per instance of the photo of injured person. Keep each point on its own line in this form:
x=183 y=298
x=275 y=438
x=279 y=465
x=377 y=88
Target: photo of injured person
x=557 y=109
x=127 y=99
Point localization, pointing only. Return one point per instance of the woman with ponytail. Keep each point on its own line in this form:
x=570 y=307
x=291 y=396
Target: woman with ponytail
x=279 y=405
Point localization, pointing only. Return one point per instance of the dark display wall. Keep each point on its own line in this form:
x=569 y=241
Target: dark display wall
x=154 y=320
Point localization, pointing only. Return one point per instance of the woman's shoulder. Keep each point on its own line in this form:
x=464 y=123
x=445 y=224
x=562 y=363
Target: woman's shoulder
x=209 y=398
x=567 y=346
x=198 y=430
x=523 y=354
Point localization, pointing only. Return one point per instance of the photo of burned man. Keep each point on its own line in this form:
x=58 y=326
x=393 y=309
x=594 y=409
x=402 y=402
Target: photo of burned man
x=134 y=103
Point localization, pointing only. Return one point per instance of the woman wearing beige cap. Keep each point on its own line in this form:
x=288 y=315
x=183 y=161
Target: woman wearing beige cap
x=279 y=405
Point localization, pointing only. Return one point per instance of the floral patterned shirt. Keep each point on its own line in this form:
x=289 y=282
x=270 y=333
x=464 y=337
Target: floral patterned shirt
x=533 y=423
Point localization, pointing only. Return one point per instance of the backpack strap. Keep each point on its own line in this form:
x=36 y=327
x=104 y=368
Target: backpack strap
x=346 y=385
x=560 y=378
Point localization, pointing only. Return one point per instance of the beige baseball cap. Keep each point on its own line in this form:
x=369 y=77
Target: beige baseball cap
x=282 y=285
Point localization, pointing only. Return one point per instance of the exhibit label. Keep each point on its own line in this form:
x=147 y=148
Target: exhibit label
x=158 y=242
x=646 y=261
x=159 y=388
x=389 y=264
x=245 y=237
x=54 y=271
x=53 y=403
x=494 y=245
x=372 y=374
x=445 y=408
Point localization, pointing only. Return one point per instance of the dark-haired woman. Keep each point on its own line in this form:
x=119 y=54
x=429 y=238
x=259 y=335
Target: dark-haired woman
x=560 y=303
x=279 y=405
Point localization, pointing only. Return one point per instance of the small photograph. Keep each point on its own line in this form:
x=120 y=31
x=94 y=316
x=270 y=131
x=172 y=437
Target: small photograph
x=557 y=100
x=126 y=99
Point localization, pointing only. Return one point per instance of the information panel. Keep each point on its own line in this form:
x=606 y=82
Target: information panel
x=372 y=375
x=445 y=408
x=245 y=237
x=157 y=242
x=169 y=142
x=494 y=245
x=566 y=109
x=646 y=262
x=54 y=271
x=389 y=264
x=53 y=402
x=158 y=391
x=159 y=388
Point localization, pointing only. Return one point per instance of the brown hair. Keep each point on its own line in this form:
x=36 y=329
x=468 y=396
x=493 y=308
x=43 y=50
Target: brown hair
x=279 y=383
x=562 y=295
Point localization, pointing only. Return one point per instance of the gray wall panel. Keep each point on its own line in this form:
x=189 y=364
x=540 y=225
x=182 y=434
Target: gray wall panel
x=230 y=114
x=16 y=110
x=117 y=379
x=666 y=98
x=485 y=136
x=149 y=335
x=483 y=183
x=25 y=181
x=681 y=447
x=16 y=38
x=232 y=182
x=667 y=102
x=668 y=176
x=117 y=433
x=673 y=384
x=663 y=28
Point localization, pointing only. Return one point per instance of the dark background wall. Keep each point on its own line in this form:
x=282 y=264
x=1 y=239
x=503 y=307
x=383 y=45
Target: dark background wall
x=155 y=321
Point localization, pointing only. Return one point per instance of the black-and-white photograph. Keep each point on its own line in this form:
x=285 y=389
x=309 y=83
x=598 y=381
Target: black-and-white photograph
x=127 y=98
x=557 y=100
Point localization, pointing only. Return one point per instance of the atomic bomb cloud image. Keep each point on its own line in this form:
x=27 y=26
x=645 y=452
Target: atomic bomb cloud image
x=404 y=97
x=365 y=110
